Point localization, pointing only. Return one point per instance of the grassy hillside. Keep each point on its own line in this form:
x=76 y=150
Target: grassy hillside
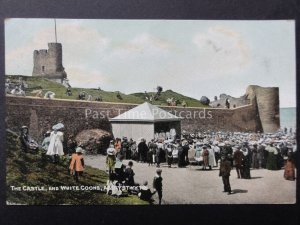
x=37 y=83
x=191 y=102
x=35 y=169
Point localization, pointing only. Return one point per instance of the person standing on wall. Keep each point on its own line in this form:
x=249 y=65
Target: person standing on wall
x=227 y=103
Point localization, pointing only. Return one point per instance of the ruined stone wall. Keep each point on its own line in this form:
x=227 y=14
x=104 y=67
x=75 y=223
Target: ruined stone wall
x=41 y=114
x=215 y=119
x=265 y=101
x=234 y=102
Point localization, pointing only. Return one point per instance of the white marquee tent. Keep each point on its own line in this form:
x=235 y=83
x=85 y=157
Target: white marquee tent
x=143 y=121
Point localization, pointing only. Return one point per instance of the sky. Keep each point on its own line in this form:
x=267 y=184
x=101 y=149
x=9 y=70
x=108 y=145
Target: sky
x=193 y=57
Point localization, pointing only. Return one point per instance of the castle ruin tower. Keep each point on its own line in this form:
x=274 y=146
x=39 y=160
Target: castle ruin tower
x=48 y=63
x=267 y=101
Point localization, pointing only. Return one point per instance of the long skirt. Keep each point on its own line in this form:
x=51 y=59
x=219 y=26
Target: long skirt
x=272 y=161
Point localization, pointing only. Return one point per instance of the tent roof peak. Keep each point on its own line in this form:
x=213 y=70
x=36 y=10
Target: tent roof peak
x=146 y=112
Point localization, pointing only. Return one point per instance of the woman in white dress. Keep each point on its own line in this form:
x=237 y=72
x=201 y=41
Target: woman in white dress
x=211 y=158
x=55 y=148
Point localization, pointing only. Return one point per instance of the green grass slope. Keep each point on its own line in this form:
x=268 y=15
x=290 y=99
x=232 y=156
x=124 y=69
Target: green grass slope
x=36 y=170
x=191 y=102
x=37 y=83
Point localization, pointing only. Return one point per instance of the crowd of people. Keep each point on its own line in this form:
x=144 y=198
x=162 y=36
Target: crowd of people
x=224 y=150
x=220 y=150
x=16 y=88
x=248 y=150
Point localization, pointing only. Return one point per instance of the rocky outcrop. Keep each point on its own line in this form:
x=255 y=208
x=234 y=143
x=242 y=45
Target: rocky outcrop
x=94 y=140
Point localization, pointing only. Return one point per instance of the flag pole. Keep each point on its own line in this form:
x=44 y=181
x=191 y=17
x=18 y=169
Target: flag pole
x=55 y=31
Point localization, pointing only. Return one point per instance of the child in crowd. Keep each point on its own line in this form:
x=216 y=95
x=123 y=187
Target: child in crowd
x=145 y=192
x=77 y=164
x=157 y=184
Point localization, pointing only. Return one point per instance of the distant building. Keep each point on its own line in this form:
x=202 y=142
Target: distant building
x=48 y=63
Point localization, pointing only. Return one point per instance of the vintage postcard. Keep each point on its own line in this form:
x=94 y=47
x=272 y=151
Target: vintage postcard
x=140 y=112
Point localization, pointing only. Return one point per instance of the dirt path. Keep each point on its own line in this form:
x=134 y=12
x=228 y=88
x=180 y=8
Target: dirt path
x=191 y=185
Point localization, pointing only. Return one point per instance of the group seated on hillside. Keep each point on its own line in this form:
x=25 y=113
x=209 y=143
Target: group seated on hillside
x=121 y=183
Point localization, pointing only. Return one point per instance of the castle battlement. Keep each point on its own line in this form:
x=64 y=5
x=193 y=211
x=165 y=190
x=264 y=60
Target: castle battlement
x=41 y=52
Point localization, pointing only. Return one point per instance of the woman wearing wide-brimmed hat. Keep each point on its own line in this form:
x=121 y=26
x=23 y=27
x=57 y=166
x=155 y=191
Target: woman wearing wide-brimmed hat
x=55 y=148
x=272 y=157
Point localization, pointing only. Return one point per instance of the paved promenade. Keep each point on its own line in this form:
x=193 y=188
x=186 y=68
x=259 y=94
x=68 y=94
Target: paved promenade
x=191 y=185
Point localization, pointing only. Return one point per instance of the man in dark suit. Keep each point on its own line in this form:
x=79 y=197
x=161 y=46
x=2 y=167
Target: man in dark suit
x=225 y=168
x=238 y=157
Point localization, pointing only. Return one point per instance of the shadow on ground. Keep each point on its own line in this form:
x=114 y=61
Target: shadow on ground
x=200 y=169
x=236 y=191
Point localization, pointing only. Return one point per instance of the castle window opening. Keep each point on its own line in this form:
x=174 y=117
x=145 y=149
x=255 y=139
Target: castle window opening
x=43 y=68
